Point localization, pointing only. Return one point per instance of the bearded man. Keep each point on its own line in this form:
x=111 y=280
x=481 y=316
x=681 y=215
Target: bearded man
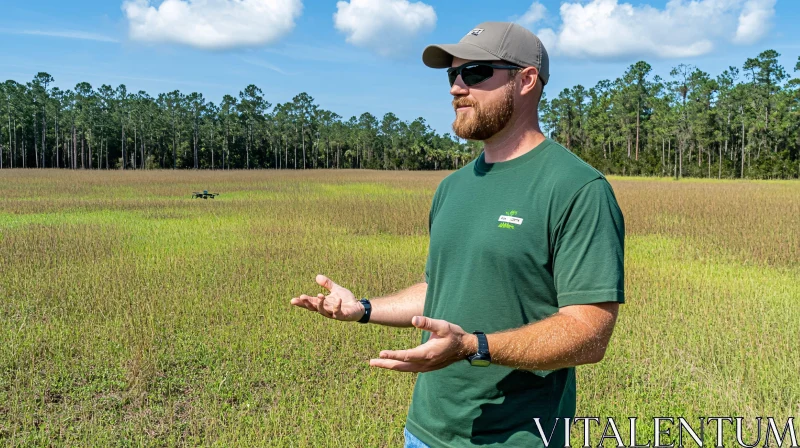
x=524 y=274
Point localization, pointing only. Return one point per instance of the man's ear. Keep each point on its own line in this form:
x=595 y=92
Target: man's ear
x=529 y=80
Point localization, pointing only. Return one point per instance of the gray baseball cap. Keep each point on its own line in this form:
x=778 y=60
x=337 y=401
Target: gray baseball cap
x=493 y=40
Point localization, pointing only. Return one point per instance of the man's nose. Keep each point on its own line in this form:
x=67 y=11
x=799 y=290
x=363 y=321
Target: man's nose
x=458 y=88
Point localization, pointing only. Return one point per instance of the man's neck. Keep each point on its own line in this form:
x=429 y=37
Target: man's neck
x=513 y=141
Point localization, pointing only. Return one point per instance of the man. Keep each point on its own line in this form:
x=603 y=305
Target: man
x=526 y=246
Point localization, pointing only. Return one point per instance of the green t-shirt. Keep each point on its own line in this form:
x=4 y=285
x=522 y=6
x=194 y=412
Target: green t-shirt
x=512 y=242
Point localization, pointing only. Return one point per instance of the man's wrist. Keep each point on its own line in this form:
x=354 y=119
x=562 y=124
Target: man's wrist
x=363 y=310
x=469 y=342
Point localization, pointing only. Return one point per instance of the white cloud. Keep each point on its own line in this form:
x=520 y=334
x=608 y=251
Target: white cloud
x=608 y=29
x=754 y=21
x=384 y=26
x=212 y=24
x=534 y=14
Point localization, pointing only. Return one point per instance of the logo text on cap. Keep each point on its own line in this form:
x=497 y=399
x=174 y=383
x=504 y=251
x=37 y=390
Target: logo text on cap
x=476 y=31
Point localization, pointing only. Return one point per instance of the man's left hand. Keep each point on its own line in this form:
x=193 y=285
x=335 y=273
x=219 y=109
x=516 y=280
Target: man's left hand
x=448 y=343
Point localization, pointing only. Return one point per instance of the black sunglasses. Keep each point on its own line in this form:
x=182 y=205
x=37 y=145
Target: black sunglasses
x=473 y=73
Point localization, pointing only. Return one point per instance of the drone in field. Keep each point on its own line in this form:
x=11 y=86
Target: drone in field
x=204 y=195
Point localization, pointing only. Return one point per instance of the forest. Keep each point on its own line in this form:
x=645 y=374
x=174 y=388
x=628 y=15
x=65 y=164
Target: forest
x=743 y=123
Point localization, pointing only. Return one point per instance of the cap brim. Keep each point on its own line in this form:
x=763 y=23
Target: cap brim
x=441 y=56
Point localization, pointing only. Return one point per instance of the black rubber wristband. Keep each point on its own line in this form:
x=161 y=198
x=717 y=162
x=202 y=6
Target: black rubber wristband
x=367 y=311
x=483 y=349
x=483 y=343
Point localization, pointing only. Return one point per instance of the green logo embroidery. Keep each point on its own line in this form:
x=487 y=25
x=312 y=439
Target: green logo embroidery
x=509 y=220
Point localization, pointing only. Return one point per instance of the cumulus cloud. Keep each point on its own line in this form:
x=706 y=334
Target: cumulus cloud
x=535 y=13
x=754 y=21
x=212 y=24
x=608 y=29
x=384 y=26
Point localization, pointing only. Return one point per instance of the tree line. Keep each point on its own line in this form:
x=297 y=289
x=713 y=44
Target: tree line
x=109 y=128
x=743 y=123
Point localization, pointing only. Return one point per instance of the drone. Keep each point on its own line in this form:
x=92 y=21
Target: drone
x=204 y=195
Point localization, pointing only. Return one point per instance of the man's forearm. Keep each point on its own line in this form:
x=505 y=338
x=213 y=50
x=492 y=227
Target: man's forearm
x=396 y=310
x=561 y=340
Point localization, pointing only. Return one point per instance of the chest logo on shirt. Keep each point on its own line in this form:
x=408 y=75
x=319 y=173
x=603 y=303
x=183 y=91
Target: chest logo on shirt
x=509 y=220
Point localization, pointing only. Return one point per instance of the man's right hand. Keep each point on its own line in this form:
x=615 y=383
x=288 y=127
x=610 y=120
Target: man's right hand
x=340 y=304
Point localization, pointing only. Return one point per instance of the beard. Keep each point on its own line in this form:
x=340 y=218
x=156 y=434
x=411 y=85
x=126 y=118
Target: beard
x=484 y=121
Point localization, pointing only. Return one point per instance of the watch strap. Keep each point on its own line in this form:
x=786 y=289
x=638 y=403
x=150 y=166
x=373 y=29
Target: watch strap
x=482 y=356
x=483 y=343
x=367 y=311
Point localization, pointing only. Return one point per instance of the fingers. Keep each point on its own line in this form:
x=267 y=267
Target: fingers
x=321 y=306
x=423 y=358
x=401 y=366
x=325 y=282
x=305 y=301
x=328 y=306
x=417 y=354
x=437 y=326
x=337 y=307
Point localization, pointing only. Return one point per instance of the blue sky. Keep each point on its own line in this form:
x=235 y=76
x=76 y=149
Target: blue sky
x=364 y=55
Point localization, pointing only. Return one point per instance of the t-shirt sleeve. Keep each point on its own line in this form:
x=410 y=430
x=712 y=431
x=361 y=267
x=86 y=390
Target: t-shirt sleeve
x=588 y=248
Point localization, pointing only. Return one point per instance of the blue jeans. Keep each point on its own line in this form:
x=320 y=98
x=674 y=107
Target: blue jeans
x=412 y=441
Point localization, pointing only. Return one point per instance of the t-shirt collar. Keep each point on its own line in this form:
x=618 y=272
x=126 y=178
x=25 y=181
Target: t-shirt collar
x=482 y=167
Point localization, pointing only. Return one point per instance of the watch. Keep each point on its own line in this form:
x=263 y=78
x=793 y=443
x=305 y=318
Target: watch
x=482 y=357
x=367 y=311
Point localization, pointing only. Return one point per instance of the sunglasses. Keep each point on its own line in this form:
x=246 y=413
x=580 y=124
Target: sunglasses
x=473 y=73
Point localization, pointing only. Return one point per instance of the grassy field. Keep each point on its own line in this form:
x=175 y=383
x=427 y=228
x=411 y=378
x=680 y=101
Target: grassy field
x=132 y=315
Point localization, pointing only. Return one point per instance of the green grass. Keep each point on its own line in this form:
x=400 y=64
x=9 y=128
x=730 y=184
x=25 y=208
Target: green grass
x=133 y=315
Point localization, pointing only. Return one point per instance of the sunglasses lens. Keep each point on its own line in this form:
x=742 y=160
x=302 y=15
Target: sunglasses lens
x=471 y=75
x=477 y=73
